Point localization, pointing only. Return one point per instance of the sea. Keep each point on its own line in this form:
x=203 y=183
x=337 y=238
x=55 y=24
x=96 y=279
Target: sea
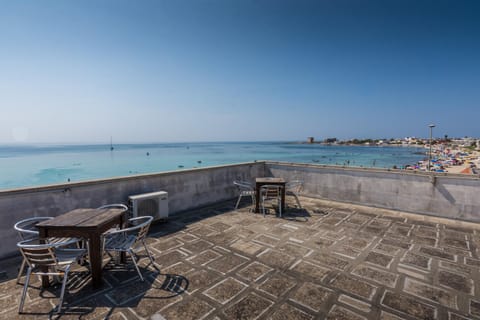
x=37 y=165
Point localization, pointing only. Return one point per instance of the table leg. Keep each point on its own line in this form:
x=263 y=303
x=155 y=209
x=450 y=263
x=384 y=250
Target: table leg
x=283 y=199
x=95 y=259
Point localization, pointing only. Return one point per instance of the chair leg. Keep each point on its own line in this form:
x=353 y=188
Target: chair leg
x=24 y=293
x=64 y=284
x=279 y=201
x=148 y=253
x=130 y=252
x=298 y=201
x=20 y=272
x=238 y=202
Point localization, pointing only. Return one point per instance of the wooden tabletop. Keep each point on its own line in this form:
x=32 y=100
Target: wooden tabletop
x=269 y=180
x=82 y=218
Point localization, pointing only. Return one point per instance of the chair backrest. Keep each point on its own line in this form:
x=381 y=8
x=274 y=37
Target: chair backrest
x=27 y=229
x=138 y=227
x=114 y=206
x=295 y=186
x=243 y=185
x=142 y=224
x=41 y=254
x=271 y=190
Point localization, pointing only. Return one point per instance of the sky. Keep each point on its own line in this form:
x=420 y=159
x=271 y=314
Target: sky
x=237 y=70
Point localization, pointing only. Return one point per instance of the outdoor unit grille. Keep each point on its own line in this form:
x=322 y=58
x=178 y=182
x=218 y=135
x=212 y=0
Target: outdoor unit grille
x=153 y=204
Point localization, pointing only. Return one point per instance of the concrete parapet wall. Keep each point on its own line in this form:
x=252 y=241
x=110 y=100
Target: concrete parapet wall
x=448 y=196
x=187 y=189
x=443 y=195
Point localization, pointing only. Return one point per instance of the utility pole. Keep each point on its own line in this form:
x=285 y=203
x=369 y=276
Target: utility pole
x=431 y=126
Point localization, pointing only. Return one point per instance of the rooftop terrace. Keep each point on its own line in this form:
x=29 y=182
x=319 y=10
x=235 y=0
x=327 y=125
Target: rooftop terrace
x=330 y=260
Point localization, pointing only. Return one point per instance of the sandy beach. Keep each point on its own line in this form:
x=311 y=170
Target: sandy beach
x=475 y=158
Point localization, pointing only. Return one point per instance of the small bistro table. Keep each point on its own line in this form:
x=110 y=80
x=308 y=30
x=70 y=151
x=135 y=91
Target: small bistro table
x=264 y=181
x=88 y=224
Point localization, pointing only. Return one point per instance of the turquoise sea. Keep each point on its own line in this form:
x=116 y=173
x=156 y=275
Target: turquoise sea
x=34 y=165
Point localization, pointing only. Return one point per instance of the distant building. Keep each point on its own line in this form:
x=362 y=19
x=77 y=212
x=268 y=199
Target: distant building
x=310 y=139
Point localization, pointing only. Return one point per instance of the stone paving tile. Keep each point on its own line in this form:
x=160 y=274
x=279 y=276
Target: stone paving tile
x=276 y=259
x=197 y=246
x=455 y=267
x=379 y=259
x=385 y=248
x=342 y=262
x=354 y=285
x=311 y=296
x=454 y=316
x=191 y=309
x=266 y=240
x=409 y=305
x=475 y=308
x=201 y=279
x=254 y=271
x=435 y=295
x=347 y=251
x=330 y=260
x=168 y=244
x=388 y=316
x=204 y=257
x=178 y=268
x=225 y=290
x=456 y=281
x=247 y=247
x=355 y=303
x=155 y=300
x=228 y=263
x=316 y=272
x=377 y=275
x=418 y=261
x=340 y=313
x=293 y=249
x=277 y=285
x=288 y=312
x=438 y=253
x=249 y=308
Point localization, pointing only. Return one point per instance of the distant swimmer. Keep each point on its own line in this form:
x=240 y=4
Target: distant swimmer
x=180 y=166
x=199 y=161
x=148 y=153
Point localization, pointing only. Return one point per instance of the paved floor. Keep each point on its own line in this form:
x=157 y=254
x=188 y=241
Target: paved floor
x=328 y=261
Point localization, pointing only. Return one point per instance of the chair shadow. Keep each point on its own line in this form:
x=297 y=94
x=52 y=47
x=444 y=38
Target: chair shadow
x=296 y=214
x=82 y=300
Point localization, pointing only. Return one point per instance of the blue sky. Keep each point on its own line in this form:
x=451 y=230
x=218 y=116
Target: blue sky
x=224 y=70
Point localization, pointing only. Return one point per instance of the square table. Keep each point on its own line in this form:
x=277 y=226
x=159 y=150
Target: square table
x=88 y=224
x=263 y=181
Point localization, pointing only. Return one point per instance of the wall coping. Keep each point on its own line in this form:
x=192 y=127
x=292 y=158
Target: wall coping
x=57 y=186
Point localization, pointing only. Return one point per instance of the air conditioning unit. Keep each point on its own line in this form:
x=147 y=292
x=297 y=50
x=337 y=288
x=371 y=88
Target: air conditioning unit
x=153 y=204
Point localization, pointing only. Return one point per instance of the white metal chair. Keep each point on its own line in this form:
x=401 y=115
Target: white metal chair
x=245 y=190
x=293 y=188
x=128 y=239
x=50 y=259
x=114 y=206
x=26 y=229
x=271 y=192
